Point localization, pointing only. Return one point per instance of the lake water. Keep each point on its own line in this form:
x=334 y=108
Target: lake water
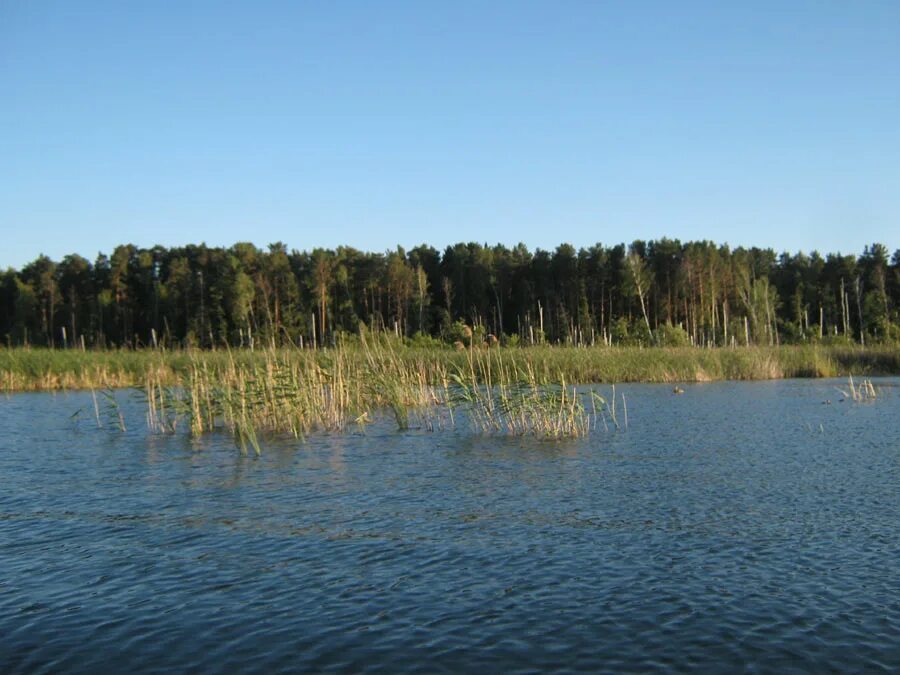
x=735 y=527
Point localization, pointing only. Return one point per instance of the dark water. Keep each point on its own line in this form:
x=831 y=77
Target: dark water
x=735 y=527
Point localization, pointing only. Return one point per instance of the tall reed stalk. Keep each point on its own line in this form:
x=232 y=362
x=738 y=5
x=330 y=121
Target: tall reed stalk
x=300 y=392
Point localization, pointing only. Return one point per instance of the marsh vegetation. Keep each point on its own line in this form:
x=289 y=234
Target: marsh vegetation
x=24 y=369
x=348 y=387
x=546 y=392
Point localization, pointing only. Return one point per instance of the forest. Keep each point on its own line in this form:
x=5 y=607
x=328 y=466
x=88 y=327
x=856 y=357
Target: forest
x=647 y=293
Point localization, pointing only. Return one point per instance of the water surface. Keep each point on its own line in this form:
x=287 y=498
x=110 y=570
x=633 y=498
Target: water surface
x=737 y=526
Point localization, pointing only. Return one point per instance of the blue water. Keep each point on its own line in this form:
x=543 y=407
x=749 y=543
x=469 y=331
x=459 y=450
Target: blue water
x=735 y=527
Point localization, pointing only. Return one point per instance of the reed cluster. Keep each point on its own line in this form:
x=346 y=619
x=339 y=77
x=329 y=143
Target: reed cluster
x=491 y=390
x=299 y=393
x=286 y=392
x=864 y=391
x=519 y=397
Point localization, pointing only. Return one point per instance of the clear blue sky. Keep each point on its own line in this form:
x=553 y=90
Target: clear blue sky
x=381 y=123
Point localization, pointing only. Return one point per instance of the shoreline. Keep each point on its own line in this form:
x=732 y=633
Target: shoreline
x=40 y=369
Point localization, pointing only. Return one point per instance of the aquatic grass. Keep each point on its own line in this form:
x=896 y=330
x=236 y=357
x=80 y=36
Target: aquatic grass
x=297 y=394
x=505 y=396
x=863 y=392
x=288 y=393
x=111 y=411
x=512 y=391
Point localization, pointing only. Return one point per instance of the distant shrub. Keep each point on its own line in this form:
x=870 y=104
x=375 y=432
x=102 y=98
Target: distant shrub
x=479 y=335
x=837 y=341
x=790 y=332
x=456 y=332
x=630 y=333
x=348 y=339
x=737 y=329
x=672 y=336
x=639 y=335
x=812 y=334
x=459 y=331
x=422 y=340
x=893 y=336
x=618 y=332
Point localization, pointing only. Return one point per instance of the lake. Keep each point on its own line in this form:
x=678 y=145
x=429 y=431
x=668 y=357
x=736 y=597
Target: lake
x=737 y=526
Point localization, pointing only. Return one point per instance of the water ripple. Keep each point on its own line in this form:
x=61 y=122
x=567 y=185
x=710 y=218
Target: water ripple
x=738 y=526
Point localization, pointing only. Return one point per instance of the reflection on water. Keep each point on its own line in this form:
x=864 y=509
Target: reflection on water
x=735 y=524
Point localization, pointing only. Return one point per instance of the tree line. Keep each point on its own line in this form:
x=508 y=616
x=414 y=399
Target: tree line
x=649 y=292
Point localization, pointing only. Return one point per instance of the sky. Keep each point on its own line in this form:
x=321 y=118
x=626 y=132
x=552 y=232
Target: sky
x=373 y=124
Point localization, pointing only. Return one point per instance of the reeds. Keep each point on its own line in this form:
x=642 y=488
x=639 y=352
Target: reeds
x=508 y=396
x=864 y=391
x=292 y=393
x=24 y=369
x=300 y=392
x=515 y=391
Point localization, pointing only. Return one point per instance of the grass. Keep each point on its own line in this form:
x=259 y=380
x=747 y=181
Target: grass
x=23 y=369
x=510 y=396
x=299 y=393
x=526 y=391
x=862 y=392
